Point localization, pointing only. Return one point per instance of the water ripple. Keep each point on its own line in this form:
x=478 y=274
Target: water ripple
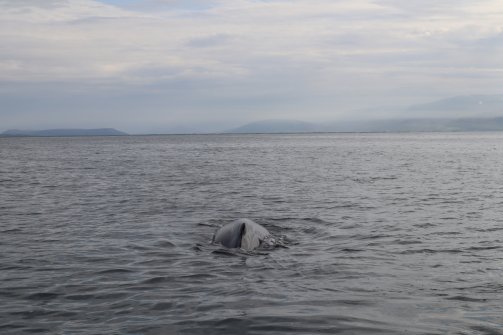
x=383 y=233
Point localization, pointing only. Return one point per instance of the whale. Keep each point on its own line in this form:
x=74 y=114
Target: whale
x=244 y=234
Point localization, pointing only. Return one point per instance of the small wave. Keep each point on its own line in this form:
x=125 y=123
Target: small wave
x=14 y=267
x=137 y=247
x=115 y=271
x=225 y=252
x=483 y=248
x=78 y=297
x=65 y=314
x=431 y=251
x=313 y=231
x=351 y=250
x=42 y=296
x=162 y=306
x=486 y=230
x=165 y=244
x=425 y=225
x=157 y=280
x=467 y=299
x=208 y=224
x=373 y=237
x=408 y=242
x=351 y=226
x=8 y=294
x=11 y=326
x=486 y=330
x=13 y=230
x=317 y=220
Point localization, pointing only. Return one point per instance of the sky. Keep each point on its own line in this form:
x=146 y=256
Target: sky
x=170 y=65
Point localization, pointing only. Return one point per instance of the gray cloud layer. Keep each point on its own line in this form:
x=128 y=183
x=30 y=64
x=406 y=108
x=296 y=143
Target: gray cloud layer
x=150 y=65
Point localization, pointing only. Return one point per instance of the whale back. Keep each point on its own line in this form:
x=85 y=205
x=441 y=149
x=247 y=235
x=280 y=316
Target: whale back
x=253 y=235
x=242 y=233
x=230 y=234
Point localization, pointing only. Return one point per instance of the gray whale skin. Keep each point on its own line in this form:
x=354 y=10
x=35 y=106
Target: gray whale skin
x=244 y=234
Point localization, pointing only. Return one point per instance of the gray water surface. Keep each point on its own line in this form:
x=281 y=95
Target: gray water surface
x=386 y=234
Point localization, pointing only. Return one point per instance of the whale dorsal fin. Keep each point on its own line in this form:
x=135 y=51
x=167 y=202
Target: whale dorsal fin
x=242 y=233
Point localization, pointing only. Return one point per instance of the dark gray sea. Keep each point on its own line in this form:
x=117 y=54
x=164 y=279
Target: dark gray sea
x=384 y=234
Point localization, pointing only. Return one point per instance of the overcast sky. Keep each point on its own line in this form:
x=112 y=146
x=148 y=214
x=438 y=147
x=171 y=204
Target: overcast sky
x=156 y=65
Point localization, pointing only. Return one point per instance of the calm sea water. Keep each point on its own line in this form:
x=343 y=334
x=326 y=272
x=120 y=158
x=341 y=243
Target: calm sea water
x=386 y=233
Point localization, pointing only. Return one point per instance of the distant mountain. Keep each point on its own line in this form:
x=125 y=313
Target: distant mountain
x=463 y=106
x=391 y=125
x=419 y=125
x=460 y=106
x=275 y=126
x=460 y=113
x=64 y=132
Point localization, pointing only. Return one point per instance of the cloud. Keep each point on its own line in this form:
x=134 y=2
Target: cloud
x=209 y=41
x=313 y=59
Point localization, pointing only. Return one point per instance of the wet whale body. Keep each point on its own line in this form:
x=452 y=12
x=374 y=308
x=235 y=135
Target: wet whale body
x=244 y=234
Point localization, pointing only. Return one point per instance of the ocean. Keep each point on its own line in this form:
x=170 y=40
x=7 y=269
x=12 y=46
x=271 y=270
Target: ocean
x=383 y=234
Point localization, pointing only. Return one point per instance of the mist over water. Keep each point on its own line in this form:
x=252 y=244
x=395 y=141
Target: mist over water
x=386 y=233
